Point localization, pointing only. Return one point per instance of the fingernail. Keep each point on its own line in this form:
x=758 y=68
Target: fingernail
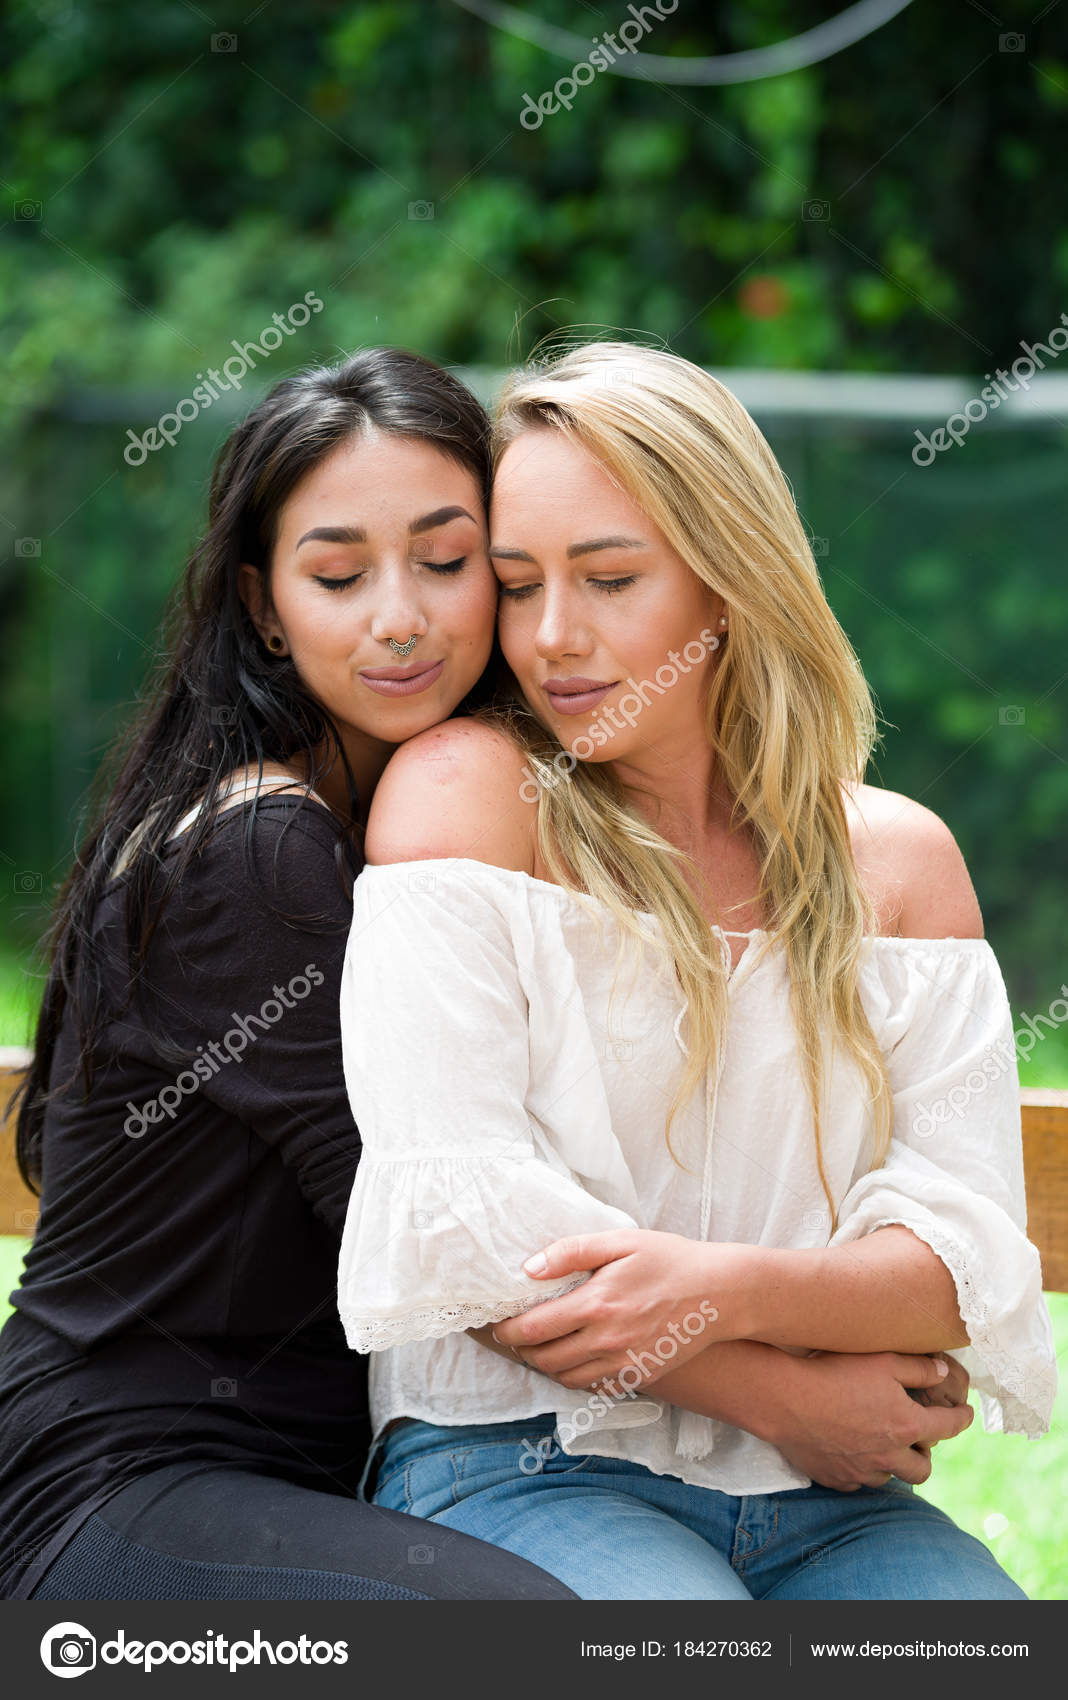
x=535 y=1265
x=941 y=1366
x=496 y=1336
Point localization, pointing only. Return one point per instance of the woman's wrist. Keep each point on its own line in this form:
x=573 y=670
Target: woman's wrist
x=790 y=1387
x=747 y=1305
x=775 y=1393
x=752 y=1386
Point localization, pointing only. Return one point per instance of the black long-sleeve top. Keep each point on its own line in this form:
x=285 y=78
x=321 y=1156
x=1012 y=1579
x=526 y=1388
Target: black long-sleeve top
x=179 y=1298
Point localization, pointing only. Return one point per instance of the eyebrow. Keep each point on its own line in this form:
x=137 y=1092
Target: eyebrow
x=440 y=516
x=356 y=533
x=575 y=549
x=335 y=534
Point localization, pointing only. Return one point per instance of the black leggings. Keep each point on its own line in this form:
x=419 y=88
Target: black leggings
x=204 y=1532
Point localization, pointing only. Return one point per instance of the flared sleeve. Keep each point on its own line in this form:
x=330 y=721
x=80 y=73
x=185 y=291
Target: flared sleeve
x=954 y=1170
x=458 y=1183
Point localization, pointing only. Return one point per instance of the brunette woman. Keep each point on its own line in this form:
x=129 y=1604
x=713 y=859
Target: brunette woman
x=179 y=1415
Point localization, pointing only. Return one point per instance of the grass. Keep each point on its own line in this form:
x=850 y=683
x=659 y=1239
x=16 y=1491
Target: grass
x=1005 y=1490
x=1009 y=1491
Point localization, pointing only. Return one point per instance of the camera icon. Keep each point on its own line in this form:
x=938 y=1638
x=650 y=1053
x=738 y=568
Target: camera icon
x=68 y=1649
x=25 y=1221
x=422 y=549
x=816 y=212
x=29 y=548
x=816 y=1219
x=420 y=1555
x=1011 y=715
x=1011 y=43
x=28 y=884
x=621 y=1049
x=224 y=43
x=619 y=377
x=420 y=209
x=223 y=716
x=422 y=1219
x=421 y=882
x=224 y=1388
x=28 y=211
x=820 y=546
x=814 y=1555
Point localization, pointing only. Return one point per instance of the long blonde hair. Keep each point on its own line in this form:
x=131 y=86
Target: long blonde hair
x=790 y=718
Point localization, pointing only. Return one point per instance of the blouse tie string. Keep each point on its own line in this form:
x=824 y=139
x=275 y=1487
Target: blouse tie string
x=696 y=1434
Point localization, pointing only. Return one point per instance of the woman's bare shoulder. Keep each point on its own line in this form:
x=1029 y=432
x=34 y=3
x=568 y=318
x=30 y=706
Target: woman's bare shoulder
x=456 y=789
x=910 y=863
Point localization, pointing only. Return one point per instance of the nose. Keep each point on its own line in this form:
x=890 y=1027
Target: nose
x=560 y=630
x=398 y=606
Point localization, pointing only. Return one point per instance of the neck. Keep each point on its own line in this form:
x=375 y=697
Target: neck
x=366 y=757
x=679 y=790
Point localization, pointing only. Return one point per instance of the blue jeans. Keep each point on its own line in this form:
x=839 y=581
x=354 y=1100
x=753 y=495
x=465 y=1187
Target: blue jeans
x=613 y=1530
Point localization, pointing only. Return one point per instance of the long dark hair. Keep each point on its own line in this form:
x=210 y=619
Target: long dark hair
x=216 y=700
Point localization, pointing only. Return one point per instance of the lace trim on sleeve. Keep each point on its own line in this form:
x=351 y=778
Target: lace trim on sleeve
x=432 y=1323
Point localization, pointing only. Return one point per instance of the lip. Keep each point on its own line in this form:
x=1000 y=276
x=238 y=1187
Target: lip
x=580 y=702
x=402 y=681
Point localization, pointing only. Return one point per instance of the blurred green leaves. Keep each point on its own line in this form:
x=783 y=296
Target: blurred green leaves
x=895 y=209
x=180 y=178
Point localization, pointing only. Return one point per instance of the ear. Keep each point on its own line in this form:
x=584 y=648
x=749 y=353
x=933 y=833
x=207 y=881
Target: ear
x=252 y=589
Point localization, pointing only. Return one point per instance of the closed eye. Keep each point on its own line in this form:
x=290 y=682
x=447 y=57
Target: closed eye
x=607 y=584
x=435 y=567
x=337 y=583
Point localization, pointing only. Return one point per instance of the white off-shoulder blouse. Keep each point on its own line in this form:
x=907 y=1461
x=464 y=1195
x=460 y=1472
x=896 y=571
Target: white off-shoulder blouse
x=499 y=1112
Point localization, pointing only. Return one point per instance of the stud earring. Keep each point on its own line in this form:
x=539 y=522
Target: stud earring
x=275 y=644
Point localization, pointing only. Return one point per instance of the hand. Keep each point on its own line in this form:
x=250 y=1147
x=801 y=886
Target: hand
x=952 y=1391
x=651 y=1292
x=854 y=1420
x=486 y=1337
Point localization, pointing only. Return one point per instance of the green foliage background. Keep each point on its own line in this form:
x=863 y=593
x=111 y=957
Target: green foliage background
x=894 y=209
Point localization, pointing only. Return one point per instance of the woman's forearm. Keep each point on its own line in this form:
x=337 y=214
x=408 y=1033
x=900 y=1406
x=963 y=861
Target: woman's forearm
x=888 y=1292
x=742 y=1382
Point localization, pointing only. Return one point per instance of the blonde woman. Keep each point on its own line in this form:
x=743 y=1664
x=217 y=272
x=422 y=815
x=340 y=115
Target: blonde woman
x=761 y=1208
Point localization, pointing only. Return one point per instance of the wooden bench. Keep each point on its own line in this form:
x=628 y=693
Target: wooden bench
x=1045 y=1141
